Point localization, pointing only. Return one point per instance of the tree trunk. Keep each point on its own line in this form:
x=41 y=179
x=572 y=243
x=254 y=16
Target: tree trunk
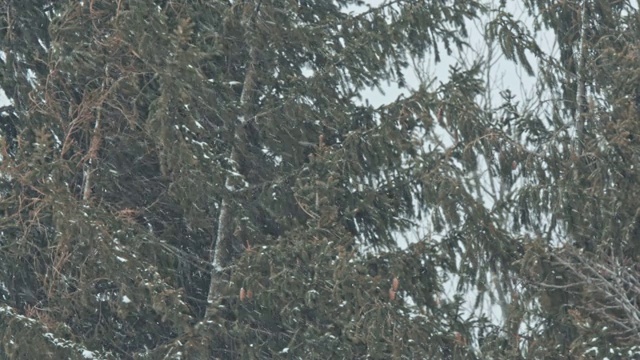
x=223 y=249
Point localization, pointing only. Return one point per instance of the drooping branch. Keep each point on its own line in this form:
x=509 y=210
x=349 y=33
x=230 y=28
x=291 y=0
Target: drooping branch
x=49 y=341
x=610 y=291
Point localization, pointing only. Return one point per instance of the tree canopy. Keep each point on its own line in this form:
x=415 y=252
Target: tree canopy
x=205 y=180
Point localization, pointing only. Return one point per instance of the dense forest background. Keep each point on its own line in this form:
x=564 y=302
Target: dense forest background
x=185 y=179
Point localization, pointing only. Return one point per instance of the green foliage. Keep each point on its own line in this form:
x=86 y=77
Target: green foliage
x=140 y=123
x=204 y=180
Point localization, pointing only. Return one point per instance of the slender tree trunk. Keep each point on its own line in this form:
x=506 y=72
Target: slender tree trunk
x=89 y=165
x=223 y=249
x=581 y=100
x=581 y=96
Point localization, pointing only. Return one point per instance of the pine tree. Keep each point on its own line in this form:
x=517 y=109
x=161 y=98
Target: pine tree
x=200 y=180
x=203 y=180
x=578 y=202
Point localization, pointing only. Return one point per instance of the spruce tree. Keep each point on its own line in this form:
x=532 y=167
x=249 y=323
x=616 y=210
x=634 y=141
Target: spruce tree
x=578 y=203
x=204 y=180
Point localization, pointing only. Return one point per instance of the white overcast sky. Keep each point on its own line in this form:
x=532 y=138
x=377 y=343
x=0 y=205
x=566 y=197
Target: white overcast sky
x=505 y=75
